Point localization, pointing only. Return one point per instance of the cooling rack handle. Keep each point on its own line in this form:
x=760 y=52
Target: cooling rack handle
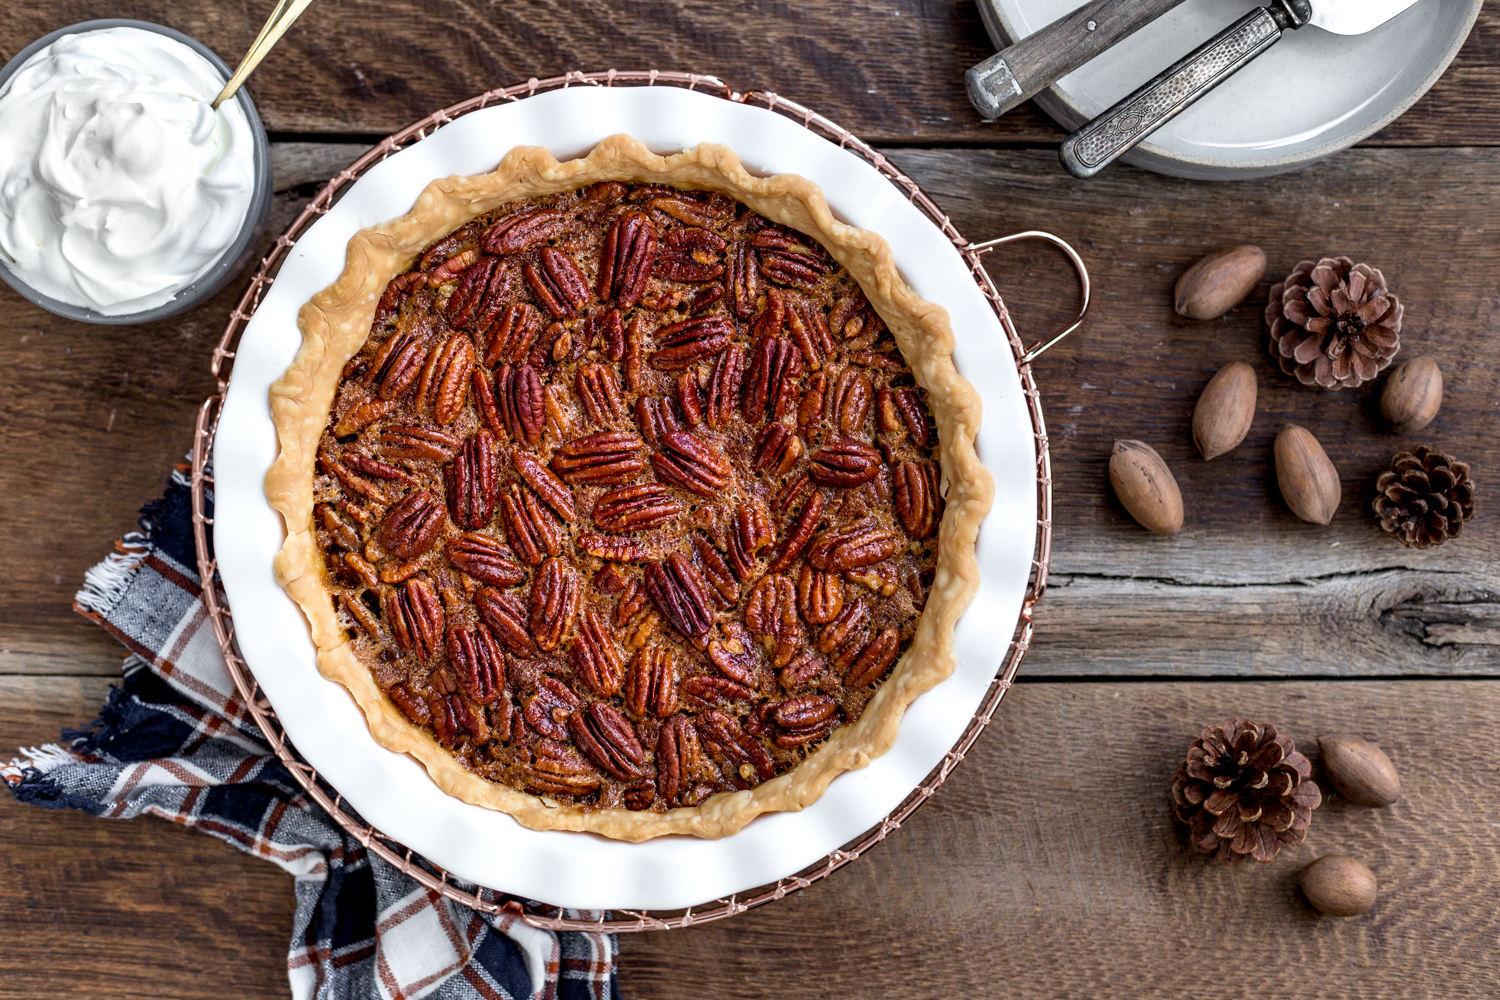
x=1078 y=266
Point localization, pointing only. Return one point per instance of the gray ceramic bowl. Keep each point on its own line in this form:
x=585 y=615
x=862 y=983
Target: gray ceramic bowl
x=238 y=254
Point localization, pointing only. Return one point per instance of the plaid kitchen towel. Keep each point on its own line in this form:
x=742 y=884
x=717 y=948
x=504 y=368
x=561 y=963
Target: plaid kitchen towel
x=176 y=741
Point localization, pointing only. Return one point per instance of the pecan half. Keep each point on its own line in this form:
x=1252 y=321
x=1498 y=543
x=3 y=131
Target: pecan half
x=608 y=458
x=695 y=209
x=456 y=242
x=679 y=592
x=452 y=717
x=801 y=671
x=397 y=365
x=451 y=268
x=810 y=410
x=506 y=617
x=844 y=462
x=689 y=399
x=547 y=486
x=635 y=348
x=844 y=638
x=799 y=534
x=776 y=450
x=690 y=255
x=752 y=534
x=692 y=464
x=396 y=292
x=850 y=403
x=375 y=468
x=411 y=525
x=771 y=382
x=706 y=297
x=741 y=758
x=607 y=738
x=916 y=500
x=679 y=761
x=705 y=691
x=683 y=344
x=548 y=708
x=351 y=482
x=820 y=595
x=744 y=280
x=771 y=320
x=361 y=415
x=554 y=603
x=468 y=296
x=607 y=327
x=772 y=614
x=343 y=533
x=558 y=283
x=484 y=402
x=846 y=310
x=533 y=530
x=787 y=260
x=716 y=571
x=558 y=770
x=417 y=443
x=519 y=395
x=873 y=660
x=913 y=414
x=415 y=617
x=810 y=330
x=480 y=665
x=599 y=392
x=733 y=657
x=724 y=387
x=803 y=718
x=625 y=259
x=863 y=543
x=656 y=416
x=651 y=685
x=411 y=706
x=512 y=336
x=613 y=548
x=522 y=231
x=362 y=570
x=596 y=658
x=485 y=559
x=473 y=482
x=635 y=508
x=632 y=600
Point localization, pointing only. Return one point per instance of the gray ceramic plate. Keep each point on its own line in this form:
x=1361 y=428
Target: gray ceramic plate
x=239 y=253
x=1310 y=95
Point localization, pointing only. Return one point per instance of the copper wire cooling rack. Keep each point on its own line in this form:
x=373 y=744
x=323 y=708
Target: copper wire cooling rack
x=402 y=857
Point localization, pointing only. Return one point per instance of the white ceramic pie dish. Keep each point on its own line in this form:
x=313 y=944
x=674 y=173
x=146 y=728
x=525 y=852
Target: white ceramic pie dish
x=1312 y=94
x=392 y=791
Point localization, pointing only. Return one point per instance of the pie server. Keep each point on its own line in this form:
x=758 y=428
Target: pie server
x=1017 y=74
x=1116 y=131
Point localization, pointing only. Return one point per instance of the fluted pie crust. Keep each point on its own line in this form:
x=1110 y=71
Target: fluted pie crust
x=337 y=321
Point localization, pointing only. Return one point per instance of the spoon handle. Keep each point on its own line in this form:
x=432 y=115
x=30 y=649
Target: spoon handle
x=281 y=18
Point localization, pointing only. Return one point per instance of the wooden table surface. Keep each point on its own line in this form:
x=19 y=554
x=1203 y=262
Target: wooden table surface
x=1047 y=866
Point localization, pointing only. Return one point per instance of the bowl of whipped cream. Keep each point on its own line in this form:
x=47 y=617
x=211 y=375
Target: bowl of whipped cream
x=124 y=196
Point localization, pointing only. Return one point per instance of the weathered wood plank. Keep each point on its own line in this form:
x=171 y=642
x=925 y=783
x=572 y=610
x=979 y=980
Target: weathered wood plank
x=1246 y=587
x=1048 y=867
x=891 y=70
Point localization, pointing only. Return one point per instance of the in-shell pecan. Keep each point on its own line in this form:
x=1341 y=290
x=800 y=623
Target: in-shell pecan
x=596 y=659
x=613 y=548
x=679 y=761
x=415 y=617
x=820 y=595
x=417 y=443
x=787 y=260
x=771 y=382
x=558 y=770
x=473 y=482
x=689 y=398
x=799 y=534
x=772 y=614
x=625 y=259
x=706 y=691
x=554 y=603
x=716 y=571
x=599 y=392
x=635 y=508
x=844 y=638
x=533 y=530
x=558 y=283
x=547 y=486
x=680 y=593
x=651 y=685
x=398 y=364
x=397 y=292
x=803 y=718
x=777 y=449
x=519 y=395
x=361 y=415
x=548 y=708
x=506 y=617
x=724 y=387
x=810 y=330
x=752 y=535
x=485 y=559
x=512 y=336
x=480 y=665
x=741 y=758
x=873 y=660
x=608 y=739
x=844 y=462
x=608 y=458
x=863 y=543
x=692 y=464
x=850 y=403
x=656 y=416
x=802 y=670
x=452 y=717
x=682 y=344
x=744 y=280
x=468 y=295
x=916 y=499
x=523 y=231
x=412 y=525
x=690 y=255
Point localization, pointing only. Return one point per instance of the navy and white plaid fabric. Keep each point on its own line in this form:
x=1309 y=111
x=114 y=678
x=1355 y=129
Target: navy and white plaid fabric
x=175 y=741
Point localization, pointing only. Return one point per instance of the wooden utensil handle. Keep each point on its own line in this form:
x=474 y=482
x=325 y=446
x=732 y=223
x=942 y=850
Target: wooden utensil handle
x=1008 y=78
x=1117 y=131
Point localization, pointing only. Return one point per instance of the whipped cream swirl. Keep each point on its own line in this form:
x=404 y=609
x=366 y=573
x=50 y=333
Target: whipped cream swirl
x=119 y=184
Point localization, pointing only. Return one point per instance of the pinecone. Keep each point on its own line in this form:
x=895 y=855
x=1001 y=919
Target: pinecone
x=1244 y=790
x=1425 y=497
x=1333 y=323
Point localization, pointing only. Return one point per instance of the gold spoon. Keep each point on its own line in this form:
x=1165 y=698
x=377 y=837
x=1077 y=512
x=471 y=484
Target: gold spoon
x=281 y=19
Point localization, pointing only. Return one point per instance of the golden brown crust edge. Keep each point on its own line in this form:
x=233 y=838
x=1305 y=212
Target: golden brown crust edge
x=337 y=320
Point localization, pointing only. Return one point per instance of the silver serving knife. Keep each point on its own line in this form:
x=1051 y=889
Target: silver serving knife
x=1116 y=131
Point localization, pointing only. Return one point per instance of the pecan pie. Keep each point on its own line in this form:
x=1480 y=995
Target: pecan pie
x=613 y=497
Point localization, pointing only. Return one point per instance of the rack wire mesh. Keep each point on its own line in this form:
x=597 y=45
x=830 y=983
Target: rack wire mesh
x=325 y=795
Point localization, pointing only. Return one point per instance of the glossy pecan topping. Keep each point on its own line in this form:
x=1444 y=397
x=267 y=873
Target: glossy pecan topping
x=453 y=718
x=625 y=259
x=613 y=547
x=810 y=410
x=771 y=382
x=803 y=719
x=599 y=392
x=680 y=593
x=522 y=405
x=366 y=465
x=419 y=443
x=679 y=760
x=844 y=462
x=415 y=617
x=512 y=336
x=695 y=208
x=473 y=482
x=692 y=464
x=657 y=417
x=608 y=458
x=396 y=292
x=559 y=770
x=852 y=395
x=558 y=284
x=789 y=259
x=554 y=603
x=777 y=449
x=916 y=498
x=506 y=617
x=398 y=364
x=820 y=595
x=744 y=280
x=523 y=231
x=724 y=387
x=485 y=559
x=803 y=669
x=635 y=508
x=549 y=707
x=651 y=684
x=691 y=255
x=480 y=665
x=772 y=614
x=844 y=638
x=341 y=531
x=546 y=485
x=873 y=660
x=461 y=239
x=595 y=656
x=411 y=706
x=753 y=534
x=770 y=321
x=860 y=544
x=810 y=330
x=913 y=414
x=608 y=739
x=733 y=655
x=741 y=758
x=689 y=398
x=799 y=534
x=412 y=525
x=361 y=415
x=705 y=691
x=533 y=530
x=682 y=344
x=717 y=572
x=451 y=268
x=468 y=296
